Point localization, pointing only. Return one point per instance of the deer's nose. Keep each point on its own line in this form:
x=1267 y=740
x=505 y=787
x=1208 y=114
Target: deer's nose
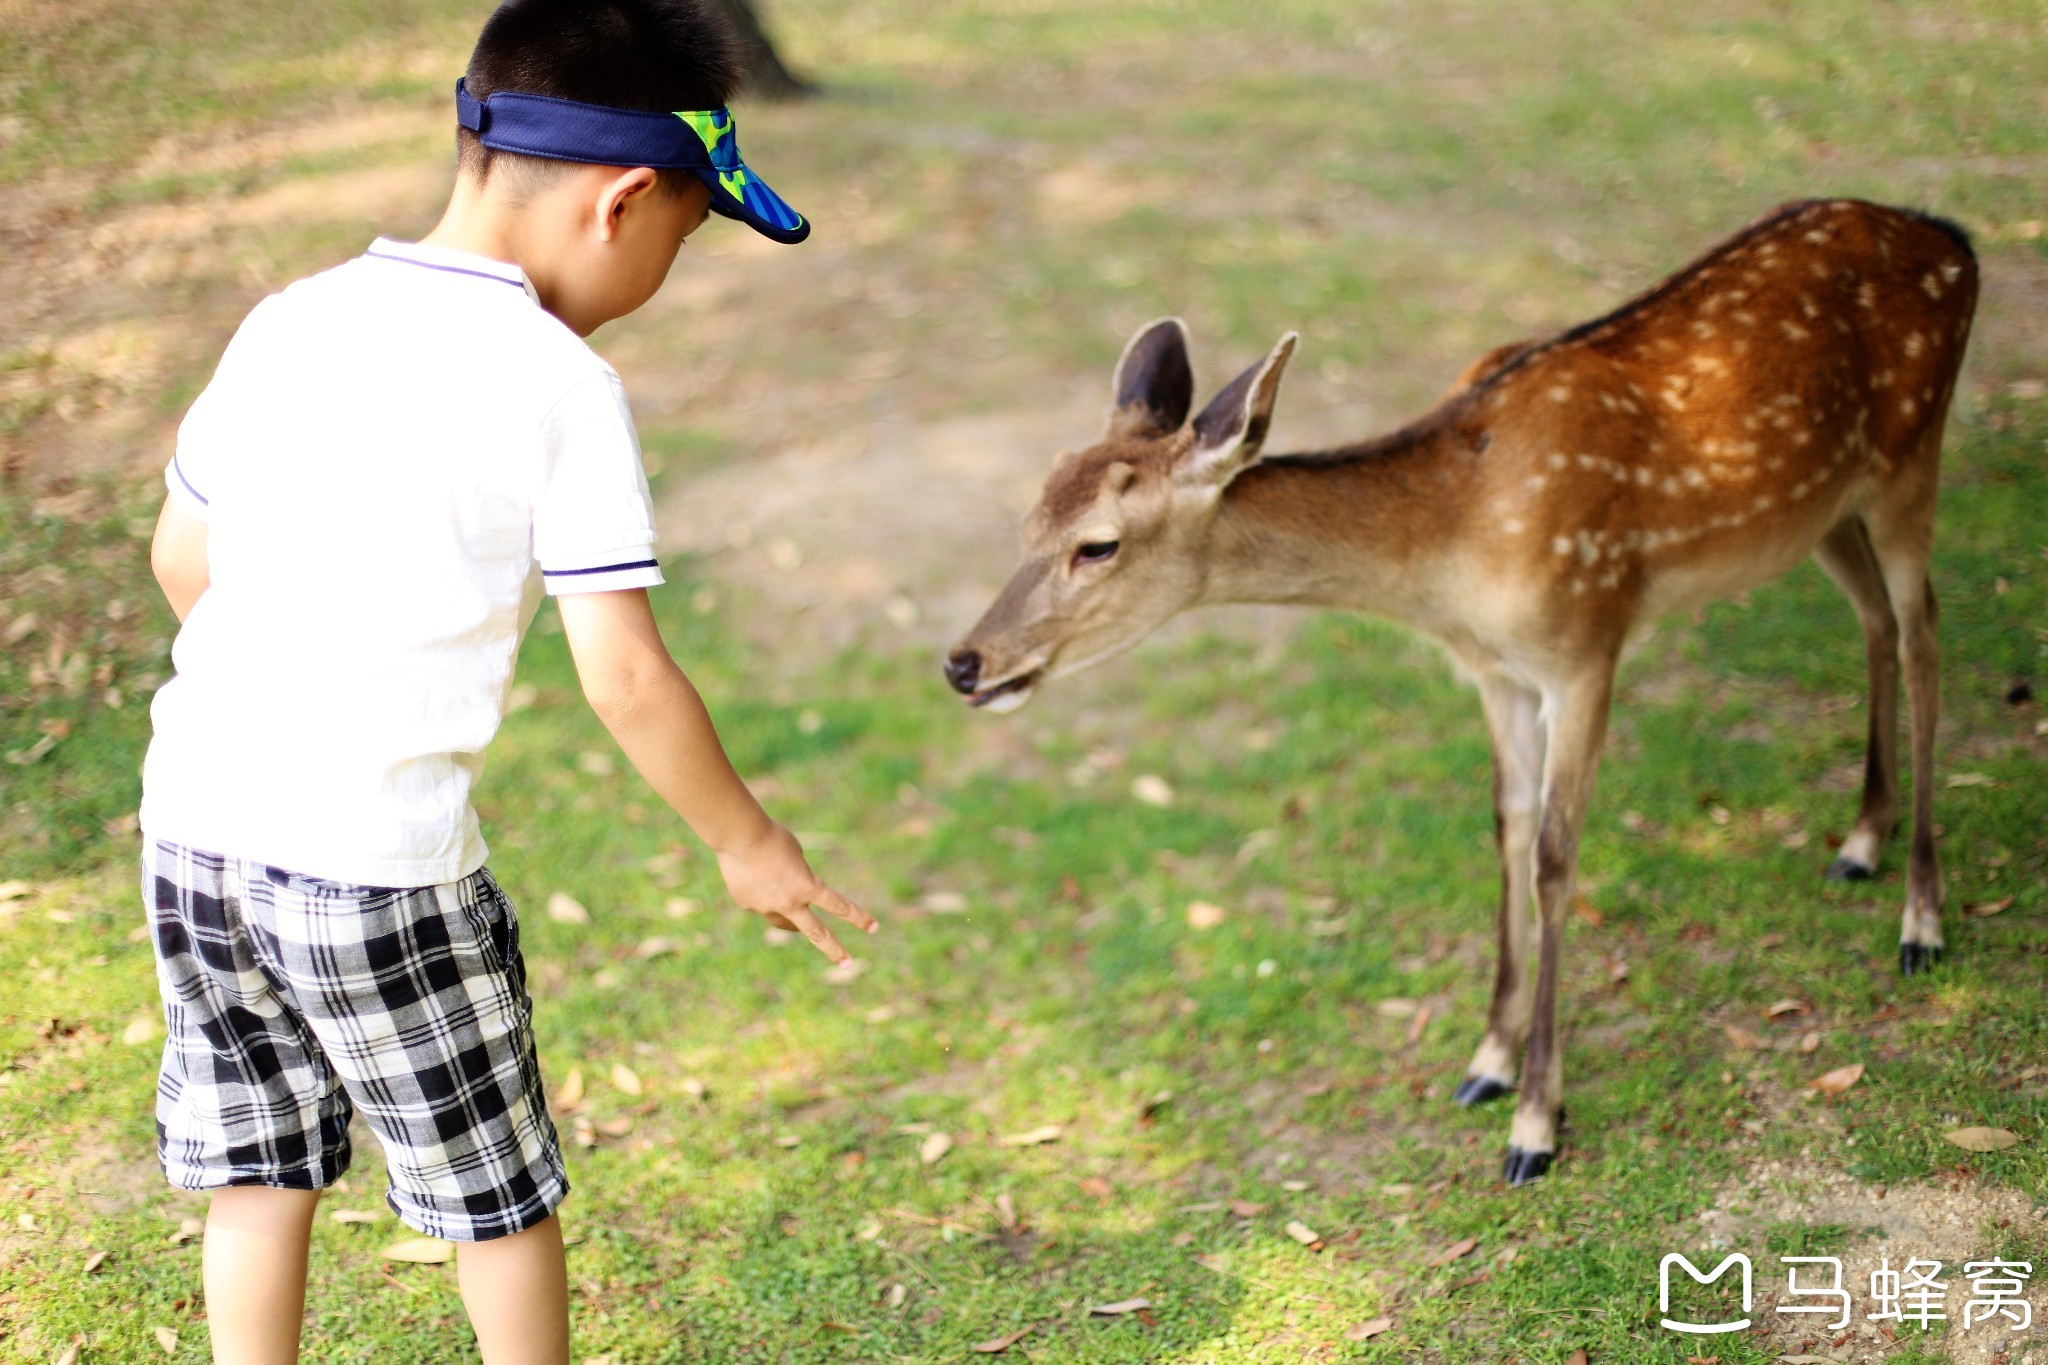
x=963 y=670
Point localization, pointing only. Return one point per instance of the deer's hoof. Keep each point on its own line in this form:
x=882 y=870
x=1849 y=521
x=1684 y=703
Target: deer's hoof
x=1849 y=870
x=1478 y=1090
x=1523 y=1167
x=1915 y=958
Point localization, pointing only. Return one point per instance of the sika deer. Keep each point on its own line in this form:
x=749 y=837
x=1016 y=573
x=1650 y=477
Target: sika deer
x=1782 y=396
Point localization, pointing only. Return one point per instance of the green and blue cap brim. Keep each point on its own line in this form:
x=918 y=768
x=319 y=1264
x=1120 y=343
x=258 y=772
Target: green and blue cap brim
x=704 y=142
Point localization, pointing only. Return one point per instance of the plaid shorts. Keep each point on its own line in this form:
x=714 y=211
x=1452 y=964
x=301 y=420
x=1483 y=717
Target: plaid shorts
x=292 y=1001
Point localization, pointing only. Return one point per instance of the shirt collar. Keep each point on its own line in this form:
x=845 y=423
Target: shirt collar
x=452 y=262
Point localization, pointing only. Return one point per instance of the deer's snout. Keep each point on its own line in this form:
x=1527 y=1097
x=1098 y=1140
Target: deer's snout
x=963 y=670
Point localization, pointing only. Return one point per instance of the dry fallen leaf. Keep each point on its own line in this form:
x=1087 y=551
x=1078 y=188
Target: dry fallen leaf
x=95 y=1261
x=1971 y=780
x=1152 y=789
x=1120 y=1307
x=1986 y=909
x=421 y=1251
x=1302 y=1232
x=1779 y=1008
x=1366 y=1331
x=1462 y=1247
x=1743 y=1038
x=934 y=1147
x=615 y=1128
x=143 y=1028
x=627 y=1080
x=1838 y=1080
x=1397 y=1008
x=1588 y=912
x=1096 y=1186
x=1578 y=1357
x=1983 y=1139
x=571 y=1093
x=356 y=1216
x=847 y=972
x=69 y=1356
x=566 y=909
x=1617 y=970
x=188 y=1229
x=657 y=947
x=167 y=1339
x=1810 y=1043
x=998 y=1345
x=1203 y=915
x=14 y=890
x=694 y=1088
x=1245 y=1208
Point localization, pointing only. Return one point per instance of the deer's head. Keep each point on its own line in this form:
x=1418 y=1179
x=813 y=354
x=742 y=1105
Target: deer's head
x=1118 y=541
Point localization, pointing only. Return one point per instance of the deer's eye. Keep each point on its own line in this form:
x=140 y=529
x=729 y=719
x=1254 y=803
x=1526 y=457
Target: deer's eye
x=1095 y=551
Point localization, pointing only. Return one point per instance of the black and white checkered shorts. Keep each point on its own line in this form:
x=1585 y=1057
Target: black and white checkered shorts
x=293 y=1001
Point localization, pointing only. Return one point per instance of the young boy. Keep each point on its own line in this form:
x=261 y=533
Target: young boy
x=393 y=461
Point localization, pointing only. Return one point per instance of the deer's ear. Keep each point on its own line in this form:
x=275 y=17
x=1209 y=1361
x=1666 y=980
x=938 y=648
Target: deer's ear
x=1154 y=384
x=1230 y=432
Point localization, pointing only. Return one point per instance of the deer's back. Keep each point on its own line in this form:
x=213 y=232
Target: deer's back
x=1705 y=436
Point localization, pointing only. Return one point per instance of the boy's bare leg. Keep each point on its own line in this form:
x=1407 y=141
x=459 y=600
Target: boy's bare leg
x=255 y=1272
x=516 y=1290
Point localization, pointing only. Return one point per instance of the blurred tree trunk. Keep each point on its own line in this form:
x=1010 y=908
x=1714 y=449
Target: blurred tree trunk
x=766 y=75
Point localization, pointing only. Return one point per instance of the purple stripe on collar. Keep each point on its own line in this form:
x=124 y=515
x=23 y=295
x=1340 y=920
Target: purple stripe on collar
x=445 y=269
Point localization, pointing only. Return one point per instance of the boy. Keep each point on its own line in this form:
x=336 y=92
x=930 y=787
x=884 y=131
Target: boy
x=393 y=461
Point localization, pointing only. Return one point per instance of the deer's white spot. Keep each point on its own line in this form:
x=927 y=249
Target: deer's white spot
x=1702 y=329
x=1907 y=407
x=1793 y=330
x=1511 y=526
x=1931 y=285
x=1560 y=393
x=1798 y=490
x=1643 y=477
x=1914 y=343
x=1866 y=295
x=1744 y=316
x=1670 y=486
x=1950 y=271
x=1817 y=236
x=1557 y=461
x=1561 y=544
x=1881 y=380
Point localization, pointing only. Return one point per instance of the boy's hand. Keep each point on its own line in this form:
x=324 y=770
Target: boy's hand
x=770 y=877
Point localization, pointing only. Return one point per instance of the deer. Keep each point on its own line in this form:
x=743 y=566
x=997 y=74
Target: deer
x=1784 y=395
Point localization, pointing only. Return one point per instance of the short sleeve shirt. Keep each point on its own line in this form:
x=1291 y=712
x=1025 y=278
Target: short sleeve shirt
x=395 y=460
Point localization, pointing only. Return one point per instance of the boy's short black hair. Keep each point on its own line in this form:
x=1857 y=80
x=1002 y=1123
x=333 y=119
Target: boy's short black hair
x=659 y=55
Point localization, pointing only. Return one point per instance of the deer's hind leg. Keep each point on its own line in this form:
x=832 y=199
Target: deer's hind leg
x=1902 y=536
x=1847 y=557
x=1513 y=722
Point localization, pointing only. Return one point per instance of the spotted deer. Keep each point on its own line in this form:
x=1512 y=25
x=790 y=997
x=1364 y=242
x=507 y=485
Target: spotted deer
x=1782 y=396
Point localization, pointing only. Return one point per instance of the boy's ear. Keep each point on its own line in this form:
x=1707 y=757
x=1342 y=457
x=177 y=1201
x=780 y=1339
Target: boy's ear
x=619 y=191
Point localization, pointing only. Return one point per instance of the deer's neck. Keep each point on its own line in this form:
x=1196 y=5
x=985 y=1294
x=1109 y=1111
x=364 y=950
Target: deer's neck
x=1369 y=527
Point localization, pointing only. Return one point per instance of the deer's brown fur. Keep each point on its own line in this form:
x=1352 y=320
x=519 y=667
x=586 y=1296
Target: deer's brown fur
x=1782 y=396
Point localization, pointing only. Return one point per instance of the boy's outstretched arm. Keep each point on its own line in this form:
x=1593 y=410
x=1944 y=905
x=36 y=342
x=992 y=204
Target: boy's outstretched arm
x=660 y=722
x=177 y=555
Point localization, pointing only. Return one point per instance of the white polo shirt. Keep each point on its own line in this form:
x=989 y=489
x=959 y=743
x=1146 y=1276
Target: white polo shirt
x=394 y=459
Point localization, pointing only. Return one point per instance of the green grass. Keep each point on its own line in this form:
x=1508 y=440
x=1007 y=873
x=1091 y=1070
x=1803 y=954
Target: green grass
x=1349 y=178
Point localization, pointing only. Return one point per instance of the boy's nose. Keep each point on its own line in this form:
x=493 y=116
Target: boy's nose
x=963 y=670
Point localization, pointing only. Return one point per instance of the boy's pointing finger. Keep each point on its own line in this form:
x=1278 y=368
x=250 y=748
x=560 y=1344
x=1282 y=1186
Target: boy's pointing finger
x=813 y=928
x=844 y=908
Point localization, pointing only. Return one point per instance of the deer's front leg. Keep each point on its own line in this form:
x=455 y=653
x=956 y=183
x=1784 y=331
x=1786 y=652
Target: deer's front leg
x=1577 y=722
x=1512 y=719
